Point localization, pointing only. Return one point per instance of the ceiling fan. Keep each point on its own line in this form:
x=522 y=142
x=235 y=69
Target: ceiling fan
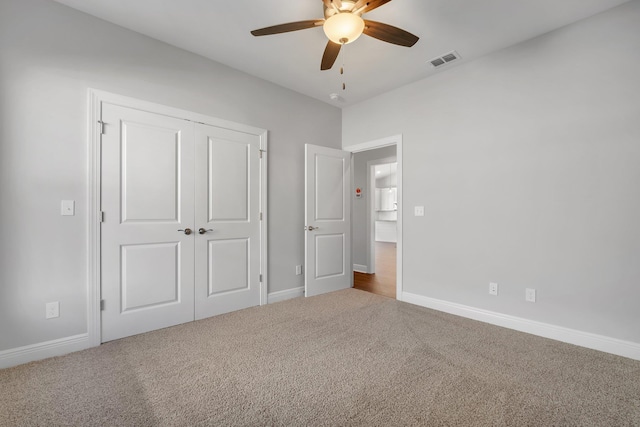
x=343 y=24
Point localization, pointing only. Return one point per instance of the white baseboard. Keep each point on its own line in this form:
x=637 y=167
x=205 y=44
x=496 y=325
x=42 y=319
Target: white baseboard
x=584 y=339
x=360 y=268
x=29 y=353
x=285 y=295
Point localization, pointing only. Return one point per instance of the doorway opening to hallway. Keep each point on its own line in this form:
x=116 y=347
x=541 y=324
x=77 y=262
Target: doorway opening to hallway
x=375 y=225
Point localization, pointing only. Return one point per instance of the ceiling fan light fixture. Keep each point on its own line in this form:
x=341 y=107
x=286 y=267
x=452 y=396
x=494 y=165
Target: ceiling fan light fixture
x=343 y=28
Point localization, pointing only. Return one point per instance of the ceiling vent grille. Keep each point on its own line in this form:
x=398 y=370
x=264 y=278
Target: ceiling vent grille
x=444 y=59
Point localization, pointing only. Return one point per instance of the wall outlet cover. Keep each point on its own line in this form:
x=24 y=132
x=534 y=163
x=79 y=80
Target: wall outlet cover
x=530 y=295
x=493 y=288
x=52 y=309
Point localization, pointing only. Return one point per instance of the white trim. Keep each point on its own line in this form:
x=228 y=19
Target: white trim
x=29 y=353
x=286 y=294
x=264 y=286
x=96 y=98
x=93 y=223
x=360 y=268
x=370 y=145
x=138 y=104
x=379 y=143
x=584 y=339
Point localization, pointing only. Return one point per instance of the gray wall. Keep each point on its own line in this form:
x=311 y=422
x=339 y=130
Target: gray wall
x=528 y=164
x=49 y=56
x=359 y=207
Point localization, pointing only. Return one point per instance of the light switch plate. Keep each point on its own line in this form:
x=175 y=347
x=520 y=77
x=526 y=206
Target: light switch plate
x=68 y=208
x=418 y=210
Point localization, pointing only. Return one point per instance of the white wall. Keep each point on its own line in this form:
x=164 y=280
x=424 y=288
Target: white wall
x=528 y=164
x=359 y=229
x=49 y=56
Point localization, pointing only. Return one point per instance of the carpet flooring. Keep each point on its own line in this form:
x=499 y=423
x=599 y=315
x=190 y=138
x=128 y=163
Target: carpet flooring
x=349 y=358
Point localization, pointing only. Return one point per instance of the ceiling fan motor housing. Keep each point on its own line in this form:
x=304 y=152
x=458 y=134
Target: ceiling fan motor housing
x=346 y=6
x=344 y=27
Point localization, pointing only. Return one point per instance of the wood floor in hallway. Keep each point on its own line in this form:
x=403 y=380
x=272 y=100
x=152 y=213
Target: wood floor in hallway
x=383 y=282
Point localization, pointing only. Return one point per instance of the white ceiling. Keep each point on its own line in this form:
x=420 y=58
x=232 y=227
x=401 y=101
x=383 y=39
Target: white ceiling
x=220 y=30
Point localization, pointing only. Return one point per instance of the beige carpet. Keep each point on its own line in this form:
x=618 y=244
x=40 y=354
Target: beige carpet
x=347 y=358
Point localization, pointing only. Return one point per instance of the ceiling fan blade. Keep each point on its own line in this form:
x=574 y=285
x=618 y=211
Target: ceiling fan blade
x=330 y=54
x=285 y=28
x=389 y=34
x=369 y=5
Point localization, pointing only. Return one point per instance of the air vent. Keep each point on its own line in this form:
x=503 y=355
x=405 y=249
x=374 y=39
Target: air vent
x=444 y=59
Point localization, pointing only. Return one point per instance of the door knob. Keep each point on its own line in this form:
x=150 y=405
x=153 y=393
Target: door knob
x=203 y=231
x=311 y=228
x=187 y=231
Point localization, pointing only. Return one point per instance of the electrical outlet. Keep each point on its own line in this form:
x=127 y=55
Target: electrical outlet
x=493 y=288
x=298 y=270
x=530 y=295
x=52 y=309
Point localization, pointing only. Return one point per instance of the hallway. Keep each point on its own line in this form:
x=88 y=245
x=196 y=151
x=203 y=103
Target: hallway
x=384 y=281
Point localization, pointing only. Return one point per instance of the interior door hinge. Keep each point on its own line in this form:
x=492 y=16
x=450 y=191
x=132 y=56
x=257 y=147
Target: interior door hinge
x=101 y=305
x=101 y=123
x=260 y=216
x=261 y=278
x=101 y=216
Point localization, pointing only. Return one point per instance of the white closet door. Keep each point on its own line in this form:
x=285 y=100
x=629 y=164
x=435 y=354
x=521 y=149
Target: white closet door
x=147 y=197
x=227 y=221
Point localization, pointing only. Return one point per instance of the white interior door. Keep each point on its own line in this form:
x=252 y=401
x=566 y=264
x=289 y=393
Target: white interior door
x=327 y=220
x=227 y=220
x=147 y=197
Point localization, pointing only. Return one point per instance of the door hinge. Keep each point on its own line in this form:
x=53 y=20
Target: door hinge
x=101 y=305
x=101 y=216
x=261 y=278
x=260 y=216
x=101 y=123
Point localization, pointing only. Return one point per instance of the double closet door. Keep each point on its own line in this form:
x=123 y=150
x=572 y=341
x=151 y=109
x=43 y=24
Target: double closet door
x=180 y=238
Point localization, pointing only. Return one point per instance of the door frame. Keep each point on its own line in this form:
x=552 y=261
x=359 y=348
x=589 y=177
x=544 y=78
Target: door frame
x=94 y=173
x=379 y=143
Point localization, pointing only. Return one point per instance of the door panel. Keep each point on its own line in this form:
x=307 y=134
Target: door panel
x=228 y=178
x=144 y=288
x=147 y=196
x=328 y=188
x=327 y=219
x=150 y=189
x=228 y=262
x=228 y=208
x=330 y=250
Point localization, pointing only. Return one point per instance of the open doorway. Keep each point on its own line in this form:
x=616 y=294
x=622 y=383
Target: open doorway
x=376 y=218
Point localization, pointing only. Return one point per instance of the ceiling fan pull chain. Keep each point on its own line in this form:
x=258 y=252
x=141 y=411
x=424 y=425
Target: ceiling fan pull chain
x=344 y=55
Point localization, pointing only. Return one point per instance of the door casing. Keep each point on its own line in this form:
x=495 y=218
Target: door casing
x=94 y=218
